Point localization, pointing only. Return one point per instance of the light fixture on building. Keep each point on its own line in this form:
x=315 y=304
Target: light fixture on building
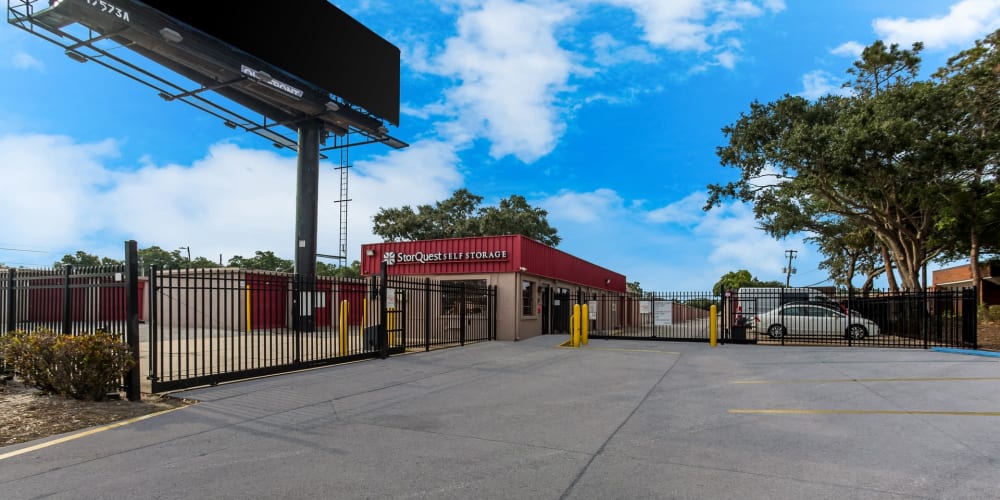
x=76 y=56
x=370 y=252
x=171 y=35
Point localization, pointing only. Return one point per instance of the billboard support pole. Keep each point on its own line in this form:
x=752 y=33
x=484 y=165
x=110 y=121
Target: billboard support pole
x=306 y=209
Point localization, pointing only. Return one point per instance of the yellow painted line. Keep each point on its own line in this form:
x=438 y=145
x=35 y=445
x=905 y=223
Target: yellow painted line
x=85 y=433
x=865 y=412
x=830 y=381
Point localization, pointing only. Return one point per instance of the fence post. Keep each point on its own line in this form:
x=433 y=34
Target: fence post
x=402 y=318
x=491 y=294
x=383 y=311
x=427 y=314
x=970 y=316
x=461 y=314
x=11 y=300
x=923 y=317
x=133 y=381
x=67 y=313
x=154 y=327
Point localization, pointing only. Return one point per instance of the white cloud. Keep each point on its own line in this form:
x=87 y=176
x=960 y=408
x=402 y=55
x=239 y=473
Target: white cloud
x=965 y=21
x=23 y=60
x=726 y=59
x=685 y=25
x=510 y=69
x=677 y=247
x=774 y=5
x=52 y=188
x=685 y=212
x=849 y=49
x=508 y=75
x=609 y=51
x=582 y=207
x=232 y=201
x=819 y=83
x=729 y=234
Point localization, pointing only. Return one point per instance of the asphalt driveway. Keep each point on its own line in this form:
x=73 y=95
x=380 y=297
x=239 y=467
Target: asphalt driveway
x=615 y=419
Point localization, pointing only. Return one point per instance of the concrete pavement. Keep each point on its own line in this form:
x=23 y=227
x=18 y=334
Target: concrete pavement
x=615 y=419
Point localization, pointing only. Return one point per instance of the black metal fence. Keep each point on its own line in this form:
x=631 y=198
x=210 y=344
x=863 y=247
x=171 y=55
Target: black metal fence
x=939 y=318
x=69 y=300
x=212 y=325
x=77 y=301
x=791 y=316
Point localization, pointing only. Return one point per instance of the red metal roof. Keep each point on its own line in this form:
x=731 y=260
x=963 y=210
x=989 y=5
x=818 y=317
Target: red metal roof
x=487 y=254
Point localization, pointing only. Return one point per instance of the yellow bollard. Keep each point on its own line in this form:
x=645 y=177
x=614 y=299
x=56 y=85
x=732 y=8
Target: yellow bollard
x=576 y=325
x=248 y=306
x=585 y=323
x=713 y=326
x=392 y=326
x=343 y=327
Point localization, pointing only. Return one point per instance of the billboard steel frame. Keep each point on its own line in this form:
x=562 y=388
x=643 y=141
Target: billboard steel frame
x=208 y=64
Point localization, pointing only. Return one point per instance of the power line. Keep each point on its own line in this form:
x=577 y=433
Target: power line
x=23 y=250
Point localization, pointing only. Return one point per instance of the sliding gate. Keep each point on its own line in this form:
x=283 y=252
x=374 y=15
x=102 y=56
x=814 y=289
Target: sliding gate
x=925 y=319
x=208 y=326
x=683 y=316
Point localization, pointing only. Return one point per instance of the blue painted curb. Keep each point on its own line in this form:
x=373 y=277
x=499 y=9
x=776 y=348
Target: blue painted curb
x=990 y=354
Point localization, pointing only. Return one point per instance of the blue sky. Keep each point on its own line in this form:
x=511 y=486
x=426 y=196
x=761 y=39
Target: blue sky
x=606 y=113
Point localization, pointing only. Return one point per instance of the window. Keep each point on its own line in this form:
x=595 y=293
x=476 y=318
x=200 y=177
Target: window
x=527 y=298
x=452 y=292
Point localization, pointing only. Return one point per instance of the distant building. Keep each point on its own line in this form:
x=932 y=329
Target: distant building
x=537 y=285
x=961 y=276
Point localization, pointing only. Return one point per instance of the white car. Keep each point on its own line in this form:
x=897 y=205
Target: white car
x=806 y=319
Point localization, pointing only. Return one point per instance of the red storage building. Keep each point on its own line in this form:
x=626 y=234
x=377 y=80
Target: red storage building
x=536 y=284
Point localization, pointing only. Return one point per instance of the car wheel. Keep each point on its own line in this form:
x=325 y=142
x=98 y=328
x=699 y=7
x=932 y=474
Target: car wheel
x=857 y=332
x=776 y=331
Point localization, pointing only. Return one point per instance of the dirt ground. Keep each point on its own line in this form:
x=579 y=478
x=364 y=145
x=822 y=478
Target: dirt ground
x=26 y=415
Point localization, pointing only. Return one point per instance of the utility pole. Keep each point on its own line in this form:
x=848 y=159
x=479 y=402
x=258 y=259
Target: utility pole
x=789 y=271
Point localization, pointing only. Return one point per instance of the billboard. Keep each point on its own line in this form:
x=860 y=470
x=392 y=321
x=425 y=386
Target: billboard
x=310 y=39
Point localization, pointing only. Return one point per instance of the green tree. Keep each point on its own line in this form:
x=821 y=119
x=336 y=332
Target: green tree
x=970 y=222
x=462 y=216
x=156 y=256
x=849 y=251
x=84 y=259
x=352 y=271
x=515 y=216
x=202 y=263
x=873 y=161
x=263 y=261
x=735 y=280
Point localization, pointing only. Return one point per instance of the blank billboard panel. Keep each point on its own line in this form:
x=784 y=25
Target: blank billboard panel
x=310 y=39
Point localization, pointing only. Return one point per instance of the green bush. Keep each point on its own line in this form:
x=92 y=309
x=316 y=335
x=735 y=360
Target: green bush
x=989 y=313
x=82 y=367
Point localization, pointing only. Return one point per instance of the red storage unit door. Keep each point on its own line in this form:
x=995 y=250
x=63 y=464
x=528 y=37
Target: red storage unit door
x=113 y=303
x=46 y=304
x=324 y=307
x=268 y=301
